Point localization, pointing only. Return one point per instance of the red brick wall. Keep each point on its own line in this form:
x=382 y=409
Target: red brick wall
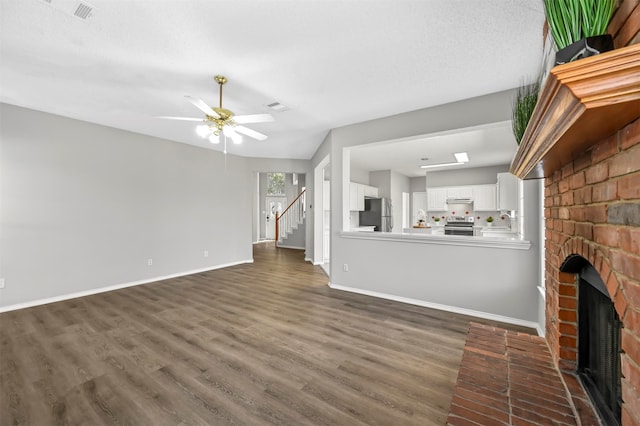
x=592 y=209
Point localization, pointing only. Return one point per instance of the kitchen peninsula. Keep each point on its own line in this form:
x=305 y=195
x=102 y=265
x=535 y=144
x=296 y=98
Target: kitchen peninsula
x=500 y=240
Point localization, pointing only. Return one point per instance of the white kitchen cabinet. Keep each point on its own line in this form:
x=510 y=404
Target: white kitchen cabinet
x=508 y=191
x=353 y=196
x=370 y=191
x=437 y=199
x=484 y=198
x=420 y=202
x=360 y=203
x=357 y=192
x=459 y=192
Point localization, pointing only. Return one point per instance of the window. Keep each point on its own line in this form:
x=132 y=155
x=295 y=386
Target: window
x=275 y=183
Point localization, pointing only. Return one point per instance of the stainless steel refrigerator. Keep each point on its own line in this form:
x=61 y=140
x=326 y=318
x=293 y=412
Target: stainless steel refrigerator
x=377 y=212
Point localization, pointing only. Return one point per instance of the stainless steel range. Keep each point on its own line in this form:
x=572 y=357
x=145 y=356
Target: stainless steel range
x=459 y=225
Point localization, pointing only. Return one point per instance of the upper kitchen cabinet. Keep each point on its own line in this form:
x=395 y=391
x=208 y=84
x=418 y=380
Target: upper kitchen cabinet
x=356 y=197
x=484 y=197
x=370 y=191
x=508 y=191
x=437 y=199
x=459 y=192
x=357 y=194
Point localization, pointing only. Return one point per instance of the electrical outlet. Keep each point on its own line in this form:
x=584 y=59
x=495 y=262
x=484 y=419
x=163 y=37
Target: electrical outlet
x=206 y=253
x=345 y=267
x=1 y=282
x=149 y=262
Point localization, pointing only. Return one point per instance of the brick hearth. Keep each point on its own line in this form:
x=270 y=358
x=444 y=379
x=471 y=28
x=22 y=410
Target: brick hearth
x=510 y=378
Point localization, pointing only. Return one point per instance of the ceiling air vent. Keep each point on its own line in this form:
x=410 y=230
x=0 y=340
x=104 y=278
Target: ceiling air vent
x=83 y=11
x=277 y=106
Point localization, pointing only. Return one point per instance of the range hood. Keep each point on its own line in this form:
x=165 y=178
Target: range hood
x=459 y=200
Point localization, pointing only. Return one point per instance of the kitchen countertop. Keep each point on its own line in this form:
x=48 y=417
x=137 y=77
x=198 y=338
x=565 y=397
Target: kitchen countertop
x=363 y=229
x=507 y=242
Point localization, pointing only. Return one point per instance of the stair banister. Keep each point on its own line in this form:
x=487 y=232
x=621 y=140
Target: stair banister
x=288 y=220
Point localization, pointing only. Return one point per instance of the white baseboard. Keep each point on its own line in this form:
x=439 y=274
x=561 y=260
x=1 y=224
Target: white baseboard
x=113 y=287
x=447 y=308
x=291 y=247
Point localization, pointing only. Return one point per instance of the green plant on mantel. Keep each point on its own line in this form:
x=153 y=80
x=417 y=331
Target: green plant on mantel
x=573 y=20
x=522 y=108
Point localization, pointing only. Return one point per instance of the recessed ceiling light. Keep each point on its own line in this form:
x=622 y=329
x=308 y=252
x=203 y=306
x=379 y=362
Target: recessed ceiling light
x=430 y=166
x=461 y=157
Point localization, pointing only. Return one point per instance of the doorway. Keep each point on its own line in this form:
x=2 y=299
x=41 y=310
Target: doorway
x=273 y=205
x=322 y=214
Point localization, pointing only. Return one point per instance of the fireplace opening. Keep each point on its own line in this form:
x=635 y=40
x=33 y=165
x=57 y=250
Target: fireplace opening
x=599 y=330
x=599 y=346
x=599 y=335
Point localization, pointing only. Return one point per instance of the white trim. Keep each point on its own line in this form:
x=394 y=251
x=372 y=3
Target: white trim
x=291 y=247
x=113 y=287
x=326 y=268
x=543 y=292
x=454 y=309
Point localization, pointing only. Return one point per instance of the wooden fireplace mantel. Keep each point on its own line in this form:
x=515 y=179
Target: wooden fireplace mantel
x=581 y=103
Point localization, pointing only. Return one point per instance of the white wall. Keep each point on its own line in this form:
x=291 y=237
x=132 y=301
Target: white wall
x=359 y=176
x=495 y=281
x=83 y=206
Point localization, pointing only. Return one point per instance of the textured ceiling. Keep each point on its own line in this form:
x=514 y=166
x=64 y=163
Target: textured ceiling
x=332 y=63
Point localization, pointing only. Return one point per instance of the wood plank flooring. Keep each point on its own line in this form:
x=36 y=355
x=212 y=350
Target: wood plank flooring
x=261 y=343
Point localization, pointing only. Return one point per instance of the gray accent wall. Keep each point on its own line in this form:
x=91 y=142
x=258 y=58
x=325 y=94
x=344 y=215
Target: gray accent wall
x=84 y=206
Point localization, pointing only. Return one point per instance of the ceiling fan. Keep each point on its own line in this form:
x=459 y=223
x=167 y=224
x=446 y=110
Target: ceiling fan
x=221 y=121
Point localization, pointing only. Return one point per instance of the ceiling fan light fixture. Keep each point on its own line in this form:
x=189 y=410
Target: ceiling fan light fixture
x=229 y=131
x=203 y=130
x=236 y=138
x=214 y=138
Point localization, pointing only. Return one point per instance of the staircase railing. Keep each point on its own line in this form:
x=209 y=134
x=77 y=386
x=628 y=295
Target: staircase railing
x=291 y=216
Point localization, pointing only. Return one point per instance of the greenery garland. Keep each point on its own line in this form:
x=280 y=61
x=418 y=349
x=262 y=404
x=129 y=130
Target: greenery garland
x=522 y=109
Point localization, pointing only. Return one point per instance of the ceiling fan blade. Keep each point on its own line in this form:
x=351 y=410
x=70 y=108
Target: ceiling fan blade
x=180 y=118
x=253 y=118
x=251 y=133
x=199 y=103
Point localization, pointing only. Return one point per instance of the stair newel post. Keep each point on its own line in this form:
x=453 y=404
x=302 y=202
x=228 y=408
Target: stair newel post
x=277 y=228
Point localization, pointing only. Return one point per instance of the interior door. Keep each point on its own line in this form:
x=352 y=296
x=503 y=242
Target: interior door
x=273 y=205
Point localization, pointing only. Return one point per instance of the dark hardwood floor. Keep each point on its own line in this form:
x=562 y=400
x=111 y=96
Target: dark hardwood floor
x=261 y=343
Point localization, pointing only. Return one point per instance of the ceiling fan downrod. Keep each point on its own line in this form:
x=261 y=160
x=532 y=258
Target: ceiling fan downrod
x=220 y=79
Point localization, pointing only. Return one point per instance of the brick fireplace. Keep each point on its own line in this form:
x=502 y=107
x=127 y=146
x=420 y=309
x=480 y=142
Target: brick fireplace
x=584 y=140
x=592 y=209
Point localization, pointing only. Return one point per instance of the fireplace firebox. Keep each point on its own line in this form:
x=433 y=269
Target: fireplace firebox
x=599 y=346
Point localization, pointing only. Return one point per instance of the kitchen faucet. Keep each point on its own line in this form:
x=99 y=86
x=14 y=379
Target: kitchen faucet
x=510 y=218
